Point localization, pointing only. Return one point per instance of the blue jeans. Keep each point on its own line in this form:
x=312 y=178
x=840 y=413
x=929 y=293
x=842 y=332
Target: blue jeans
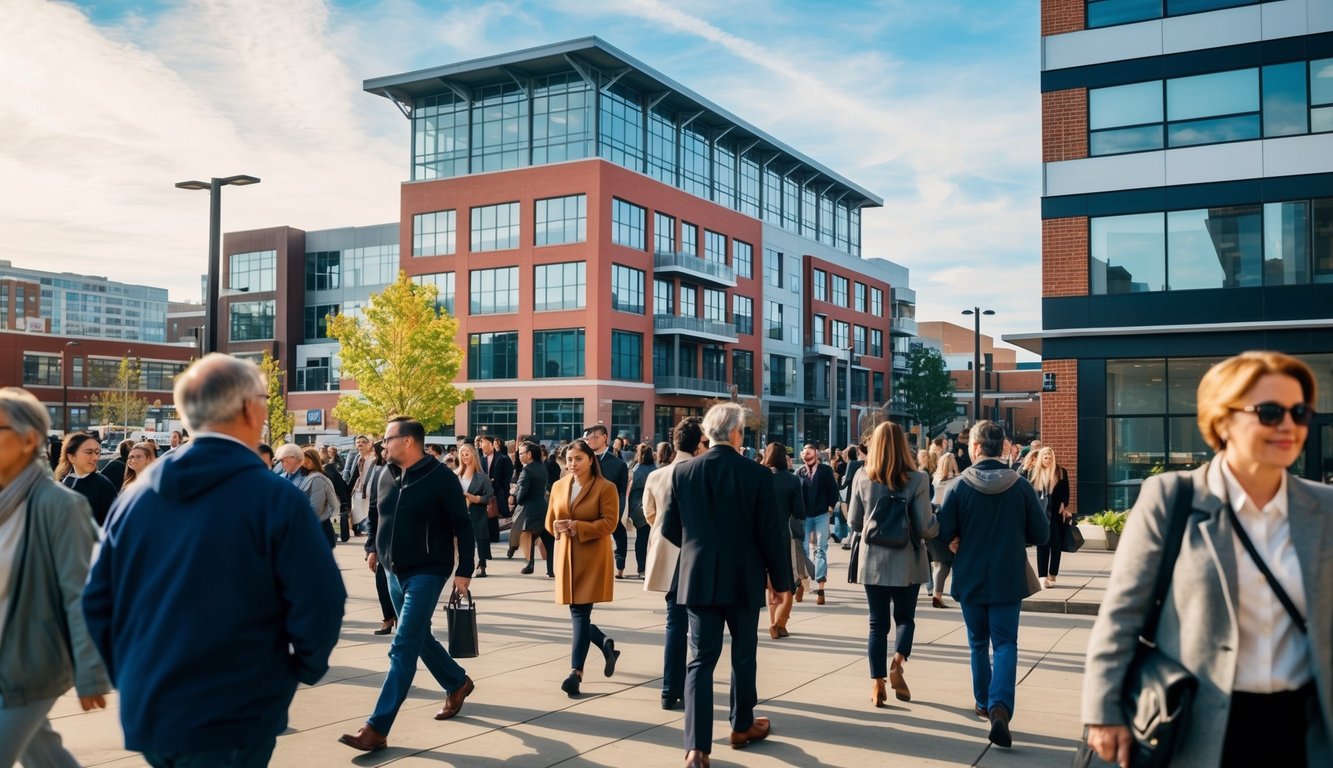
x=901 y=602
x=818 y=524
x=673 y=651
x=840 y=527
x=993 y=626
x=414 y=600
x=245 y=757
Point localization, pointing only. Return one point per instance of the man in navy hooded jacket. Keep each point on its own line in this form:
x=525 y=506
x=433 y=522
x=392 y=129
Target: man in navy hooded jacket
x=214 y=592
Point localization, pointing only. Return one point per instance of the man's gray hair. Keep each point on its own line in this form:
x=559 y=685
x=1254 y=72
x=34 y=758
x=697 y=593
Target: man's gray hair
x=721 y=420
x=214 y=389
x=988 y=435
x=24 y=412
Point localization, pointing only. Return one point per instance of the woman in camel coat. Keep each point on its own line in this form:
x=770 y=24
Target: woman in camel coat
x=582 y=515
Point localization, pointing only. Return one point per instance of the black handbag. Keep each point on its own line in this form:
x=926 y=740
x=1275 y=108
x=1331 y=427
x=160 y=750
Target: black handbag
x=462 y=620
x=854 y=562
x=1159 y=692
x=889 y=523
x=1072 y=540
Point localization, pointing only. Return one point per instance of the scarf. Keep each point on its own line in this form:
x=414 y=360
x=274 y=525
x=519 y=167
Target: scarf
x=14 y=495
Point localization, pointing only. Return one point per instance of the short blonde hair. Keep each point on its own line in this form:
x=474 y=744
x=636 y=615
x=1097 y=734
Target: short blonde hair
x=1223 y=386
x=288 y=451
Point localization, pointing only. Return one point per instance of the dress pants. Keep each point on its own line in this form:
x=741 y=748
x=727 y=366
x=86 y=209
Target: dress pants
x=706 y=648
x=382 y=591
x=993 y=626
x=585 y=634
x=621 y=538
x=236 y=757
x=1260 y=723
x=641 y=535
x=1048 y=554
x=673 y=651
x=26 y=735
x=901 y=602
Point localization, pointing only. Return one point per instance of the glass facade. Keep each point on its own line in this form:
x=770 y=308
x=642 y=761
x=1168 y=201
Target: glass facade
x=557 y=420
x=628 y=224
x=493 y=417
x=560 y=286
x=252 y=320
x=493 y=291
x=626 y=289
x=435 y=233
x=626 y=356
x=495 y=227
x=558 y=354
x=1105 y=13
x=444 y=289
x=43 y=370
x=317 y=322
x=253 y=272
x=742 y=258
x=562 y=220
x=562 y=118
x=323 y=271
x=492 y=356
x=627 y=420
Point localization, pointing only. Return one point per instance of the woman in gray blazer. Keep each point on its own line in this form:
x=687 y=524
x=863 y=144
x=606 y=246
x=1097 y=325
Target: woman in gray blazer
x=1265 y=674
x=477 y=491
x=892 y=577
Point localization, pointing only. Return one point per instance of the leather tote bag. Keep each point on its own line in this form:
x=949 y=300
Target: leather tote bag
x=462 y=620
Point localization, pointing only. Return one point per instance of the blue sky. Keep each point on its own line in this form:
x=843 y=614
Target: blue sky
x=934 y=106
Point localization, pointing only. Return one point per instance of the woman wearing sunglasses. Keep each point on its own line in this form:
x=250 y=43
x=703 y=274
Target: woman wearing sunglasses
x=1258 y=643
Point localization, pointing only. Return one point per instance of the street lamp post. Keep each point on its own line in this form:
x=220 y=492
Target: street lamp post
x=848 y=350
x=64 y=377
x=215 y=245
x=976 y=313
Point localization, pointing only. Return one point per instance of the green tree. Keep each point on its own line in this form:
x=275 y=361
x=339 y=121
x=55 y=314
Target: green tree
x=280 y=420
x=403 y=356
x=120 y=403
x=929 y=390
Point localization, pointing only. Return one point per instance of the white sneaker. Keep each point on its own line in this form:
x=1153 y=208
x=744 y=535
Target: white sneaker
x=1045 y=583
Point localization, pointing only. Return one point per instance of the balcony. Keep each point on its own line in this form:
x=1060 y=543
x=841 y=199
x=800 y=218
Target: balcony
x=694 y=267
x=688 y=385
x=902 y=326
x=825 y=350
x=901 y=366
x=711 y=330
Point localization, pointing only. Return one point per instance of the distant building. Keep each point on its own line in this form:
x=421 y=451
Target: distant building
x=85 y=305
x=1010 y=391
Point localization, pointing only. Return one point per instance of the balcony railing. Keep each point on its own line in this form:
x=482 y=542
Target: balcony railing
x=902 y=326
x=668 y=323
x=691 y=384
x=703 y=269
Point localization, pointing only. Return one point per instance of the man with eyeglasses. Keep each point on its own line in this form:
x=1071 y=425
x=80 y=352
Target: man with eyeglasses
x=422 y=519
x=207 y=628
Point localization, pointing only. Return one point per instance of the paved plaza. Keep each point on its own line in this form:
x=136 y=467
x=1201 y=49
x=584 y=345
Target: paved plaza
x=814 y=685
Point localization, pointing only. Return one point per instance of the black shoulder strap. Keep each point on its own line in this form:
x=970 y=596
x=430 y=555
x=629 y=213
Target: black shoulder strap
x=1281 y=593
x=1176 y=518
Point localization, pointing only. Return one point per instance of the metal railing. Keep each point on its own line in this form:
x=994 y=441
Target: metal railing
x=691 y=383
x=693 y=325
x=711 y=269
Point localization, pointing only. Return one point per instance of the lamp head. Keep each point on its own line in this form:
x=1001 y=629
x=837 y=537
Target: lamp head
x=195 y=184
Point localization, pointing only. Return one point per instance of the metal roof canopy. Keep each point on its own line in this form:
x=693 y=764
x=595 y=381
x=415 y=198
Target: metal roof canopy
x=592 y=51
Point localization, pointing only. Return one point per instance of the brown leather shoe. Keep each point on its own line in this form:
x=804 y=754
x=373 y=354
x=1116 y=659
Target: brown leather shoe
x=758 y=732
x=800 y=592
x=782 y=631
x=878 y=692
x=899 y=684
x=938 y=602
x=367 y=740
x=454 y=703
x=819 y=597
x=696 y=759
x=773 y=631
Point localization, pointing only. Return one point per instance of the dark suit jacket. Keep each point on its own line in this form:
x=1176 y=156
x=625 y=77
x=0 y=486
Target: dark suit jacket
x=500 y=469
x=616 y=471
x=791 y=501
x=724 y=516
x=115 y=472
x=848 y=475
x=530 y=497
x=821 y=490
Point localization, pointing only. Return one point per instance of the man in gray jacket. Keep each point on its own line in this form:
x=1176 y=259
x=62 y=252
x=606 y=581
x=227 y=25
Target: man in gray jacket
x=988 y=518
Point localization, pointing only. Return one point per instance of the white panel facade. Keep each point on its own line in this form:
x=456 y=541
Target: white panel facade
x=1217 y=162
x=1095 y=46
x=1297 y=155
x=1211 y=30
x=1285 y=19
x=1103 y=174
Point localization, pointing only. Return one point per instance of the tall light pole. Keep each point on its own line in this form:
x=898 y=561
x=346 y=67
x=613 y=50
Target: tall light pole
x=848 y=349
x=64 y=377
x=215 y=245
x=976 y=313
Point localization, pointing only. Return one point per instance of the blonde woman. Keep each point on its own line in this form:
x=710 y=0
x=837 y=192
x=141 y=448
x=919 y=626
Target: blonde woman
x=946 y=473
x=141 y=455
x=927 y=462
x=477 y=490
x=1051 y=482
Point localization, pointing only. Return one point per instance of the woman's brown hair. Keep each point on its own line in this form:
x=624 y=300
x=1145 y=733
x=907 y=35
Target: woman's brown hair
x=775 y=456
x=888 y=459
x=582 y=446
x=1224 y=384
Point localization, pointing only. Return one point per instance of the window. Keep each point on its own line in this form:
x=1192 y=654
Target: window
x=859 y=339
x=1321 y=95
x=101 y=373
x=694 y=165
x=664 y=233
x=562 y=121
x=1194 y=104
x=492 y=356
x=627 y=289
x=724 y=175
x=749 y=190
x=817 y=329
x=661 y=358
x=562 y=220
x=840 y=290
x=621 y=128
x=742 y=258
x=1214 y=248
x=252 y=320
x=314 y=376
x=560 y=286
x=841 y=333
x=661 y=146
x=742 y=371
x=444 y=289
x=742 y=314
x=860 y=297
x=1127 y=253
x=773 y=267
x=876 y=343
x=689 y=238
x=689 y=301
x=495 y=227
x=715 y=305
x=317 y=321
x=439 y=136
x=1322 y=245
x=499 y=127
x=781 y=376
x=493 y=291
x=493 y=417
x=877 y=302
x=435 y=234
x=773 y=320
x=1284 y=99
x=627 y=420
x=323 y=270
x=687 y=362
x=1286 y=243
x=372 y=265
x=877 y=387
x=557 y=354
x=626 y=356
x=715 y=363
x=255 y=271
x=627 y=224
x=1104 y=13
x=820 y=287
x=664 y=297
x=43 y=370
x=715 y=247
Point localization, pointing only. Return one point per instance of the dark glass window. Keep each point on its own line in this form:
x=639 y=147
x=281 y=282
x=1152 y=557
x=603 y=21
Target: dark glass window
x=715 y=363
x=317 y=321
x=748 y=195
x=781 y=376
x=688 y=360
x=1125 y=118
x=493 y=291
x=742 y=371
x=1322 y=239
x=724 y=175
x=820 y=284
x=773 y=321
x=773 y=267
x=435 y=234
x=742 y=258
x=626 y=356
x=495 y=227
x=492 y=356
x=860 y=297
x=664 y=297
x=44 y=370
x=1287 y=243
x=1321 y=95
x=876 y=343
x=627 y=420
x=1103 y=13
x=664 y=233
x=859 y=339
x=627 y=289
x=252 y=320
x=254 y=272
x=1207 y=109
x=742 y=314
x=560 y=286
x=557 y=420
x=323 y=270
x=628 y=226
x=562 y=220
x=1284 y=99
x=558 y=354
x=493 y=417
x=661 y=358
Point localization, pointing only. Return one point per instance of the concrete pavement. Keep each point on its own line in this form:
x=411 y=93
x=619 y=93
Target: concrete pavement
x=814 y=685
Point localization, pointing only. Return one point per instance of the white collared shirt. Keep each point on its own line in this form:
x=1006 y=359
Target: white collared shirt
x=1273 y=654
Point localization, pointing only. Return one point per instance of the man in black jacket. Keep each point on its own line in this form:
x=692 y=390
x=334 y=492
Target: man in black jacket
x=616 y=471
x=530 y=505
x=820 y=487
x=724 y=516
x=422 y=517
x=500 y=470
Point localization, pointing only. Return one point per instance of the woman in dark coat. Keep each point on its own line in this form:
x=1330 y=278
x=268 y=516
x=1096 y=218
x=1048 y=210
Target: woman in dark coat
x=643 y=466
x=530 y=506
x=477 y=491
x=791 y=500
x=1051 y=482
x=78 y=471
x=390 y=619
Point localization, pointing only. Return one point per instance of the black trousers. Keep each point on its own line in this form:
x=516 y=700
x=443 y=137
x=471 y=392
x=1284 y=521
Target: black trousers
x=585 y=634
x=900 y=602
x=621 y=538
x=547 y=540
x=1048 y=554
x=1263 y=725
x=641 y=547
x=706 y=624
x=382 y=590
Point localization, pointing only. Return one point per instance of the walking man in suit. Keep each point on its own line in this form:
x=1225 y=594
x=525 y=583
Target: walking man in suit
x=821 y=493
x=616 y=471
x=500 y=469
x=723 y=515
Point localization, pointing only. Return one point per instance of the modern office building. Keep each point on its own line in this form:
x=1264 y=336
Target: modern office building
x=1010 y=390
x=84 y=305
x=1187 y=215
x=617 y=248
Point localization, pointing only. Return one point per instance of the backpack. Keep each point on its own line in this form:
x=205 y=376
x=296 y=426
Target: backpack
x=890 y=523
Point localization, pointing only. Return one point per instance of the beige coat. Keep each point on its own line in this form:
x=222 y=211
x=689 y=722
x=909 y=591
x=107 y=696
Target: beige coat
x=660 y=568
x=583 y=560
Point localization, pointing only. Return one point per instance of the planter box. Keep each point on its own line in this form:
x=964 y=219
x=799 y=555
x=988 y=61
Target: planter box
x=1112 y=541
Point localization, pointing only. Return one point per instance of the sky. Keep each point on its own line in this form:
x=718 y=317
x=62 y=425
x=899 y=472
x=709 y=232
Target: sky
x=935 y=107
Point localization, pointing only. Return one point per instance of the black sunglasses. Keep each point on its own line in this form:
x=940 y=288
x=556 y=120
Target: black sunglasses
x=1271 y=414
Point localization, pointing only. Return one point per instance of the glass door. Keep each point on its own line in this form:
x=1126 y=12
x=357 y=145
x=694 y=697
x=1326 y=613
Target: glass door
x=1317 y=461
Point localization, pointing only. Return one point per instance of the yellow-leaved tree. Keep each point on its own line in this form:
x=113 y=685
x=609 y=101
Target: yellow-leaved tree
x=280 y=420
x=403 y=356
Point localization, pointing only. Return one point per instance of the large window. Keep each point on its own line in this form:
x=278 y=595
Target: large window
x=1104 y=13
x=436 y=233
x=252 y=320
x=627 y=420
x=715 y=363
x=42 y=370
x=1321 y=95
x=560 y=286
x=492 y=356
x=820 y=287
x=689 y=238
x=499 y=127
x=444 y=289
x=254 y=272
x=664 y=297
x=561 y=118
x=860 y=297
x=773 y=267
x=626 y=356
x=562 y=220
x=876 y=343
x=715 y=247
x=557 y=354
x=493 y=291
x=1128 y=253
x=323 y=270
x=715 y=305
x=493 y=417
x=661 y=146
x=689 y=300
x=317 y=321
x=1214 y=248
x=628 y=226
x=818 y=326
x=877 y=302
x=840 y=290
x=495 y=227
x=859 y=339
x=742 y=258
x=694 y=165
x=742 y=371
x=370 y=265
x=557 y=420
x=781 y=376
x=773 y=320
x=439 y=136
x=627 y=289
x=742 y=314
x=314 y=376
x=840 y=333
x=664 y=233
x=622 y=128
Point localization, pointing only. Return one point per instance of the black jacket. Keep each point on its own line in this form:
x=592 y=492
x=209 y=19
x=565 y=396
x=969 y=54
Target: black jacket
x=994 y=513
x=115 y=472
x=500 y=469
x=821 y=489
x=98 y=490
x=848 y=475
x=530 y=496
x=339 y=487
x=724 y=516
x=790 y=501
x=634 y=505
x=421 y=514
x=616 y=471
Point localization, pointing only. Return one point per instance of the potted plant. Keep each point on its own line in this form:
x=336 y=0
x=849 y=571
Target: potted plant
x=1113 y=523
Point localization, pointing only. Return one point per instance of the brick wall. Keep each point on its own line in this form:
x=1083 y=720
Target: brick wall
x=1064 y=257
x=1059 y=420
x=1060 y=16
x=1064 y=125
